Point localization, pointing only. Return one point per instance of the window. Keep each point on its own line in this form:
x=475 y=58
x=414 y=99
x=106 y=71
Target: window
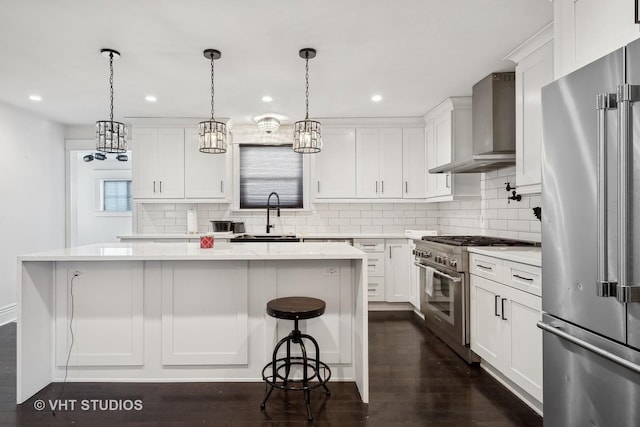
x=116 y=195
x=267 y=168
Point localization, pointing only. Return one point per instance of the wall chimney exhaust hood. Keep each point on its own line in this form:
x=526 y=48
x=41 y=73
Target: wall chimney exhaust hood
x=494 y=127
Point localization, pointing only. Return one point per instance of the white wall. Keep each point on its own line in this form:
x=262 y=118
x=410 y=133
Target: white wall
x=32 y=188
x=87 y=223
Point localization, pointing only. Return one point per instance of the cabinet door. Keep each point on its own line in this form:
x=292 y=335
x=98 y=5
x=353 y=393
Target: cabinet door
x=390 y=160
x=442 y=132
x=532 y=73
x=430 y=141
x=367 y=163
x=523 y=360
x=170 y=163
x=335 y=165
x=144 y=170
x=205 y=174
x=487 y=326
x=414 y=164
x=397 y=272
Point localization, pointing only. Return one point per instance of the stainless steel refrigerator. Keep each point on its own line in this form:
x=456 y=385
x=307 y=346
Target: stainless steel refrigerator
x=591 y=244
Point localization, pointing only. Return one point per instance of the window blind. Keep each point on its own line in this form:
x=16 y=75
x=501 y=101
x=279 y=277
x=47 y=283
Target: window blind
x=116 y=195
x=267 y=168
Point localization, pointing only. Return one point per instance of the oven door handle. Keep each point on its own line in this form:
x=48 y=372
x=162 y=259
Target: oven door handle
x=438 y=272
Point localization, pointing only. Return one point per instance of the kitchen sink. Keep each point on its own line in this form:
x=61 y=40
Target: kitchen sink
x=247 y=238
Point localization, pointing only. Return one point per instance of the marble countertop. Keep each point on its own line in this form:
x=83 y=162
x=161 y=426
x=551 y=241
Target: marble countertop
x=148 y=251
x=300 y=235
x=525 y=255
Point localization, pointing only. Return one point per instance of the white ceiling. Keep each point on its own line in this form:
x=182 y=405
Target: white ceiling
x=414 y=53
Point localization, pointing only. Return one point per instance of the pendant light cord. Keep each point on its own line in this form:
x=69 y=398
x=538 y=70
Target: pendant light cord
x=306 y=67
x=111 y=82
x=212 y=91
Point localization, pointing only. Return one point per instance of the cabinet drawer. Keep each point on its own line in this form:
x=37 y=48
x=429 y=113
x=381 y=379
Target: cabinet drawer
x=375 y=288
x=487 y=267
x=370 y=245
x=375 y=264
x=523 y=276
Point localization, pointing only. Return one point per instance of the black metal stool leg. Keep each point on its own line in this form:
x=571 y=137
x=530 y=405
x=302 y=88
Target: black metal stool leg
x=317 y=349
x=305 y=379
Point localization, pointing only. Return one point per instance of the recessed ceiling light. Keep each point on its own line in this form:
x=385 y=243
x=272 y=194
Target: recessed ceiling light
x=150 y=98
x=35 y=97
x=376 y=98
x=267 y=98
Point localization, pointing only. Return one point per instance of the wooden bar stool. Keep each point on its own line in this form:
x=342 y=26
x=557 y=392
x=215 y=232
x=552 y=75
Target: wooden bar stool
x=277 y=373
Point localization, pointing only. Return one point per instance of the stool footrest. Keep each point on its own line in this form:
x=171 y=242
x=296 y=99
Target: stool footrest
x=282 y=382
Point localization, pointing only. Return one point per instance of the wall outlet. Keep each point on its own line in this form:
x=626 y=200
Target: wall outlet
x=331 y=271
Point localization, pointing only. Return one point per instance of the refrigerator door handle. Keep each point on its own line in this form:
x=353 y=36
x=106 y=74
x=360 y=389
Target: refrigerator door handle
x=604 y=286
x=627 y=94
x=555 y=330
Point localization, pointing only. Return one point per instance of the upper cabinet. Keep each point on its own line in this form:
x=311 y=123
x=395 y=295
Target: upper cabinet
x=379 y=163
x=414 y=164
x=448 y=138
x=586 y=30
x=335 y=166
x=206 y=176
x=168 y=165
x=158 y=163
x=534 y=69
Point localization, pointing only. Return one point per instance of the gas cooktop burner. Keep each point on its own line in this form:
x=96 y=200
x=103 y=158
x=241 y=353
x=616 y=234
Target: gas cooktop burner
x=477 y=241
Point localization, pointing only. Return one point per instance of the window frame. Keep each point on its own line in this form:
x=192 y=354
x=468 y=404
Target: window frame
x=99 y=210
x=236 y=179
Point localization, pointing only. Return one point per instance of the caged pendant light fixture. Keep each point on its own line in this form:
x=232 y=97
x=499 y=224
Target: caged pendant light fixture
x=307 y=134
x=111 y=136
x=212 y=134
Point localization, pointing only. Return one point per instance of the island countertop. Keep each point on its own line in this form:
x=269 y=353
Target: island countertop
x=151 y=251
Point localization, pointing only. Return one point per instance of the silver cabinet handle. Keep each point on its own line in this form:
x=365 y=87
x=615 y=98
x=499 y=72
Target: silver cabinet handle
x=439 y=273
x=528 y=279
x=318 y=186
x=495 y=305
x=154 y=186
x=502 y=308
x=588 y=346
x=406 y=187
x=222 y=186
x=604 y=287
x=484 y=267
x=627 y=94
x=376 y=187
x=447 y=181
x=390 y=250
x=382 y=186
x=161 y=186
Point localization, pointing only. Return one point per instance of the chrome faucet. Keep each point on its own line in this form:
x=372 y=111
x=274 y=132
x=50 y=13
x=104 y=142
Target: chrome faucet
x=269 y=207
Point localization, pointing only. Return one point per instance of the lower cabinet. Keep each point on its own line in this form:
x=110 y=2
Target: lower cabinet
x=503 y=323
x=389 y=265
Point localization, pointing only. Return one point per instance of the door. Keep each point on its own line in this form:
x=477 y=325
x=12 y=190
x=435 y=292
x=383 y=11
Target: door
x=170 y=163
x=414 y=164
x=633 y=309
x=205 y=174
x=145 y=163
x=335 y=165
x=487 y=326
x=390 y=163
x=569 y=197
x=443 y=134
x=398 y=273
x=367 y=162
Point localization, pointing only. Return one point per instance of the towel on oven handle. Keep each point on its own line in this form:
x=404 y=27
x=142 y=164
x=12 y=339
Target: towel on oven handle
x=428 y=280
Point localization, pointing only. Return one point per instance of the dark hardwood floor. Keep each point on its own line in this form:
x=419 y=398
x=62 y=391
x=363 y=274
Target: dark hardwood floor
x=415 y=381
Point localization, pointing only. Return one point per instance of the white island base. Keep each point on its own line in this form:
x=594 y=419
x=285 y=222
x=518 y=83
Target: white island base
x=172 y=312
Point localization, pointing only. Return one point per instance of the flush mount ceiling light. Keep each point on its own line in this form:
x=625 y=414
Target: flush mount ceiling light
x=35 y=98
x=307 y=134
x=111 y=137
x=267 y=98
x=213 y=134
x=376 y=98
x=268 y=124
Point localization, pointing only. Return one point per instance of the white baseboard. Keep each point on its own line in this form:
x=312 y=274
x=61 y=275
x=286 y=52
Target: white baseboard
x=389 y=306
x=8 y=314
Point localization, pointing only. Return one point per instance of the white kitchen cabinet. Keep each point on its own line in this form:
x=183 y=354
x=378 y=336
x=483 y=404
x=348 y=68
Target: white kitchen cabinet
x=375 y=266
x=505 y=308
x=448 y=138
x=397 y=271
x=379 y=163
x=586 y=30
x=158 y=163
x=335 y=166
x=206 y=176
x=534 y=69
x=414 y=279
x=414 y=164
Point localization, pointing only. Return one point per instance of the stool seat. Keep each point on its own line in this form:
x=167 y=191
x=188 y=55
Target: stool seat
x=295 y=308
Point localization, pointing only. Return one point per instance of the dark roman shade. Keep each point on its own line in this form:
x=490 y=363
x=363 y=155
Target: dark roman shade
x=267 y=168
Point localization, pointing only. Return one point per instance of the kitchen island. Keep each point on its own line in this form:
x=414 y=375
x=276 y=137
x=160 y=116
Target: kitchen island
x=175 y=312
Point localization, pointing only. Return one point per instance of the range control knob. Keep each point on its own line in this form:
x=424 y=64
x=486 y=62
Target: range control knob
x=427 y=254
x=453 y=262
x=438 y=259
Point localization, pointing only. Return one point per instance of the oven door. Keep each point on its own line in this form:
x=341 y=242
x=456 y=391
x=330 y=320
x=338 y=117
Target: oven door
x=444 y=308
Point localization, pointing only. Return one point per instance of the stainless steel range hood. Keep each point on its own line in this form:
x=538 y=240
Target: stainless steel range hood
x=494 y=127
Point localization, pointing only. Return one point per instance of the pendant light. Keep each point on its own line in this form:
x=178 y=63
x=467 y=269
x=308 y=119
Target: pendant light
x=213 y=134
x=111 y=137
x=307 y=134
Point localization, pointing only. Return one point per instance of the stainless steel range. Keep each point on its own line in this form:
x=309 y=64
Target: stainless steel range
x=444 y=285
